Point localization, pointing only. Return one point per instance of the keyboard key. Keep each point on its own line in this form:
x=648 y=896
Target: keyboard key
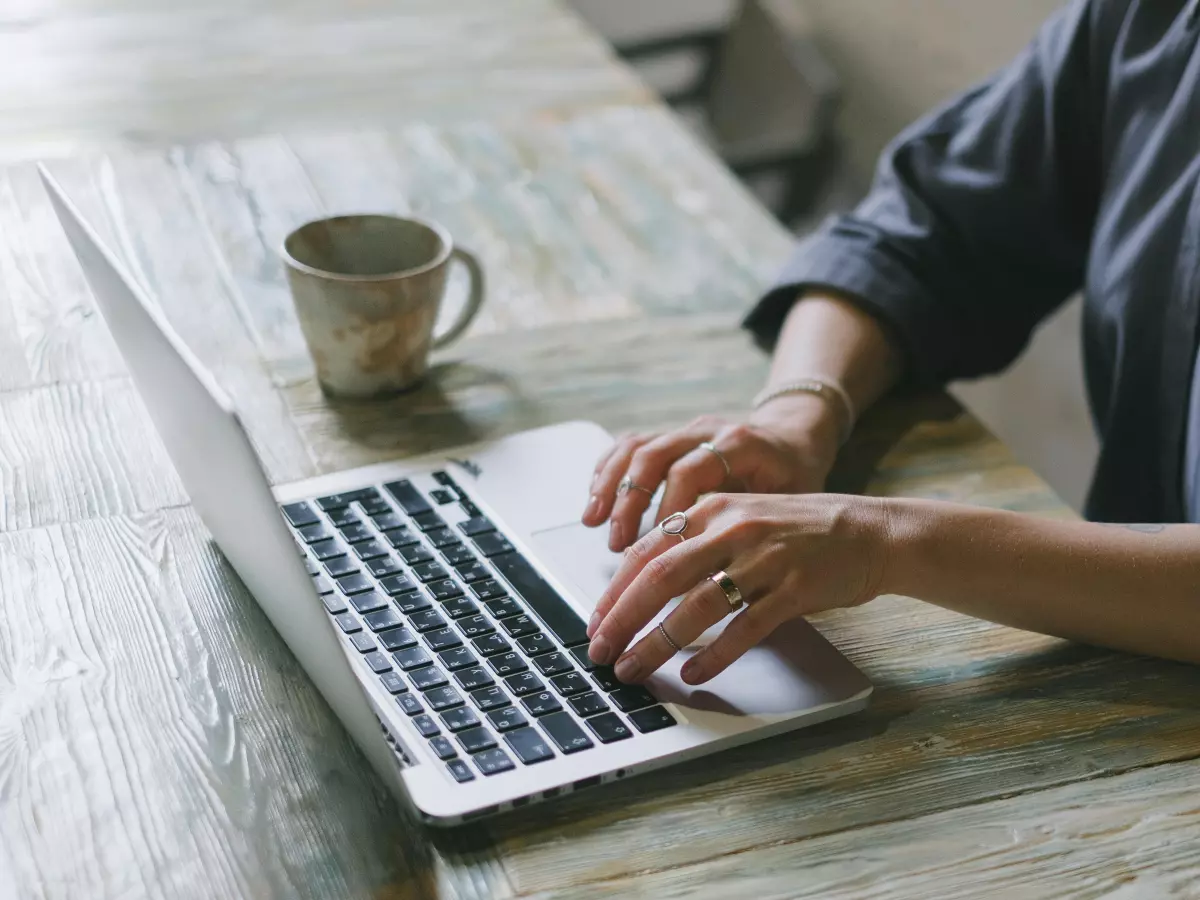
x=442 y=748
x=334 y=604
x=442 y=698
x=475 y=626
x=370 y=550
x=401 y=538
x=445 y=479
x=397 y=639
x=493 y=762
x=333 y=501
x=311 y=567
x=475 y=739
x=300 y=514
x=561 y=620
x=426 y=726
x=445 y=590
x=489 y=698
x=505 y=664
x=491 y=644
x=356 y=532
x=408 y=497
x=411 y=658
x=363 y=642
x=519 y=626
x=475 y=526
x=393 y=682
x=322 y=585
x=535 y=644
x=580 y=655
x=570 y=683
x=460 y=771
x=375 y=506
x=310 y=534
x=383 y=567
x=383 y=620
x=441 y=496
x=487 y=590
x=398 y=584
x=386 y=520
x=650 y=719
x=460 y=719
x=410 y=704
x=458 y=658
x=459 y=608
x=415 y=554
x=458 y=555
x=493 y=544
x=529 y=746
x=442 y=639
x=428 y=521
x=606 y=678
x=631 y=697
x=503 y=607
x=427 y=620
x=347 y=623
x=541 y=704
x=565 y=732
x=327 y=550
x=354 y=584
x=469 y=508
x=378 y=662
x=340 y=566
x=507 y=719
x=343 y=517
x=441 y=537
x=588 y=704
x=524 y=683
x=368 y=602
x=430 y=571
x=473 y=678
x=608 y=728
x=427 y=678
x=553 y=663
x=473 y=571
x=412 y=602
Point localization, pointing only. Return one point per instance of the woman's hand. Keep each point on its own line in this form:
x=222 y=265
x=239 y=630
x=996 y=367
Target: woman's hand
x=789 y=556
x=788 y=446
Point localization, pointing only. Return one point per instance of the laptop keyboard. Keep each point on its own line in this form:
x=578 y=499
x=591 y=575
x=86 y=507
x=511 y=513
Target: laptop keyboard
x=475 y=646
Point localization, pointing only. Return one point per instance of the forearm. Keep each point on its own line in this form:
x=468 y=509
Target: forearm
x=1134 y=588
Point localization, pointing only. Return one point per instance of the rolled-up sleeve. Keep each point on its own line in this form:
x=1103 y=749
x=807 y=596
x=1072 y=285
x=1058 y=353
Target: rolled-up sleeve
x=978 y=223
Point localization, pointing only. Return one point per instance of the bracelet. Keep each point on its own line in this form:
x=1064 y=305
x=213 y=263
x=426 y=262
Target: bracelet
x=823 y=388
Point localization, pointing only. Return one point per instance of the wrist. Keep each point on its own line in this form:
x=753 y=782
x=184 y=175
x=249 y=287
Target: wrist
x=804 y=421
x=912 y=535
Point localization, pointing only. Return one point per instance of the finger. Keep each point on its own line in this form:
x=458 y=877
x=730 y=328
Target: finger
x=647 y=468
x=604 y=484
x=692 y=476
x=702 y=607
x=747 y=629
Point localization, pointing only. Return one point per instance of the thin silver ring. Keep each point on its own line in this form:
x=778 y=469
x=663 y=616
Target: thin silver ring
x=627 y=484
x=711 y=448
x=668 y=525
x=667 y=638
x=733 y=594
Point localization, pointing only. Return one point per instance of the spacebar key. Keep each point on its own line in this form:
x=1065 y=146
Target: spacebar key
x=557 y=615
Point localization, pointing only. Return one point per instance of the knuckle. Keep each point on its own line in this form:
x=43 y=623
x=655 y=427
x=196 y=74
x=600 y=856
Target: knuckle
x=656 y=572
x=707 y=422
x=738 y=434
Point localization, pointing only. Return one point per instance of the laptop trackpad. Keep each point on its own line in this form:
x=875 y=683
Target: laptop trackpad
x=793 y=669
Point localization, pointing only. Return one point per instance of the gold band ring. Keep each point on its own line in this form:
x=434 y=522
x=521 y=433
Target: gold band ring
x=732 y=592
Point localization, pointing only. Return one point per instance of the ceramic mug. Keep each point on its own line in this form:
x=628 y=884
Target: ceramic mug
x=368 y=289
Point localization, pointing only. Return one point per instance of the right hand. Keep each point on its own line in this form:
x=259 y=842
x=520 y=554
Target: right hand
x=787 y=446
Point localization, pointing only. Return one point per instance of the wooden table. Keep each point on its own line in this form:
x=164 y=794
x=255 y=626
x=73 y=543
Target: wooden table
x=156 y=738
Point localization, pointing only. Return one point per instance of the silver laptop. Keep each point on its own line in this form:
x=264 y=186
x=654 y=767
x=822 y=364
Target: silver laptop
x=439 y=604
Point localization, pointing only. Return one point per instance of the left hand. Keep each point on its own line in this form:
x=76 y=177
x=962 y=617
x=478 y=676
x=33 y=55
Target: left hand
x=790 y=555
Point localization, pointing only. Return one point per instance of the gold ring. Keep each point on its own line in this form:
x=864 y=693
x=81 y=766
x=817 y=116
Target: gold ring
x=627 y=485
x=711 y=448
x=667 y=638
x=674 y=525
x=732 y=592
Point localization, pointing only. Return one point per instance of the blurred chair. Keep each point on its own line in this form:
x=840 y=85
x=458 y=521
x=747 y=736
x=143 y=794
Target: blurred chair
x=763 y=96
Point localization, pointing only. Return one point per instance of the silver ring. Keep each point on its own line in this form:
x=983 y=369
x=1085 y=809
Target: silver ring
x=667 y=638
x=732 y=592
x=674 y=525
x=711 y=448
x=626 y=485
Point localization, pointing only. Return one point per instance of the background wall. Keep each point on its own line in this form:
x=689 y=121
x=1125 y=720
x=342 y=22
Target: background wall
x=897 y=58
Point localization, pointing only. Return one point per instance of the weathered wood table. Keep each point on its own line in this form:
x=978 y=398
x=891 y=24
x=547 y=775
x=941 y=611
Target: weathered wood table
x=157 y=739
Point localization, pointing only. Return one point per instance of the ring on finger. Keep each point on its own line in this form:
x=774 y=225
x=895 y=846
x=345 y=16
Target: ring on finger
x=733 y=593
x=711 y=448
x=627 y=484
x=674 y=525
x=666 y=637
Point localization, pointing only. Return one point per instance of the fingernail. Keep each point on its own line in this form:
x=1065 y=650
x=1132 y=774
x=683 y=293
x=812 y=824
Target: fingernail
x=690 y=672
x=628 y=669
x=599 y=649
x=594 y=623
x=615 y=536
x=593 y=508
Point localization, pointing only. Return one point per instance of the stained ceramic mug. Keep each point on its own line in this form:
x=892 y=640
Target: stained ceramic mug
x=368 y=289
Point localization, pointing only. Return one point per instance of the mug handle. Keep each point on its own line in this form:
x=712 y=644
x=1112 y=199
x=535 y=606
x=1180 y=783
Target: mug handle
x=474 y=298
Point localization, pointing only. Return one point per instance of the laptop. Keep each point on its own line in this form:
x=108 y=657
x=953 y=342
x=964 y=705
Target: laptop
x=439 y=604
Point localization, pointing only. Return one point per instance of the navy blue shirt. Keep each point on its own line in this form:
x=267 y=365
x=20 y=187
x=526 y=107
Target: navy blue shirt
x=1075 y=167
